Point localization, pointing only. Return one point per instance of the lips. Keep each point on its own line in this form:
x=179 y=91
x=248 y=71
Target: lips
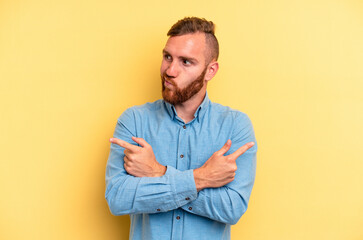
x=168 y=82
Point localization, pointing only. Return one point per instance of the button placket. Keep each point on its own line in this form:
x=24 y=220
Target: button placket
x=182 y=164
x=177 y=225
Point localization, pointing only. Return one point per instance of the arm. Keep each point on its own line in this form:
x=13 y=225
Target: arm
x=229 y=202
x=127 y=194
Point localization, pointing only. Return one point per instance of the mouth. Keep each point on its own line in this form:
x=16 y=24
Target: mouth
x=168 y=83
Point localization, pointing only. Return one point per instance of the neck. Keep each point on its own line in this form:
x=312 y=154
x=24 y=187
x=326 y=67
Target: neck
x=186 y=110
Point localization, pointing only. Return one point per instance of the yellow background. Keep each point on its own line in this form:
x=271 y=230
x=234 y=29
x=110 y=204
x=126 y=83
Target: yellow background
x=69 y=68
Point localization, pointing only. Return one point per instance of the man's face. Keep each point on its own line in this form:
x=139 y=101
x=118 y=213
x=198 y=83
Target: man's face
x=183 y=67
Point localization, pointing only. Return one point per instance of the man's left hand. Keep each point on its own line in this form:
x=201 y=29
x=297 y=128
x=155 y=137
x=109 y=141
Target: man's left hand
x=140 y=161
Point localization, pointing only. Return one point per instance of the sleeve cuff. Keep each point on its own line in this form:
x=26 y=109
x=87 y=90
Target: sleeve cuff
x=183 y=185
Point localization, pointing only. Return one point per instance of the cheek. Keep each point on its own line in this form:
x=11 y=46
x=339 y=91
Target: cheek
x=163 y=67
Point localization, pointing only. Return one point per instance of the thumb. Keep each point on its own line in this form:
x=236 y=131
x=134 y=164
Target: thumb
x=225 y=148
x=140 y=141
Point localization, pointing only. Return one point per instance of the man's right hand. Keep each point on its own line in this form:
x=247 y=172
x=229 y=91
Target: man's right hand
x=219 y=170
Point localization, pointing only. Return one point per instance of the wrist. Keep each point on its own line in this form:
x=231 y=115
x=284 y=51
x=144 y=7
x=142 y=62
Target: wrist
x=160 y=171
x=200 y=181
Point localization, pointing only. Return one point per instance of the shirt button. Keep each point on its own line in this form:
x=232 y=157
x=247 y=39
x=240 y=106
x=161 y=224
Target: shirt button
x=177 y=217
x=182 y=156
x=190 y=208
x=187 y=198
x=184 y=127
x=158 y=209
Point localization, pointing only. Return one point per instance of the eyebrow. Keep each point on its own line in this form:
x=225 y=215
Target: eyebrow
x=182 y=57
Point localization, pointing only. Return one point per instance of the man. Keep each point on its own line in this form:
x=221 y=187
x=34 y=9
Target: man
x=182 y=167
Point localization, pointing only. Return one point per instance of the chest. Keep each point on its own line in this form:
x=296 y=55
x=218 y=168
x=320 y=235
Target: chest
x=186 y=146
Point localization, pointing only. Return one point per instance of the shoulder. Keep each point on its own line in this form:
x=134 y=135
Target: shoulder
x=227 y=112
x=232 y=121
x=141 y=111
x=237 y=121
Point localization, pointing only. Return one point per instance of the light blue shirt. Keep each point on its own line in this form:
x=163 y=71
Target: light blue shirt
x=169 y=207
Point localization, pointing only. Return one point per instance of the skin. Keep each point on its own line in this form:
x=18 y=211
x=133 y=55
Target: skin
x=184 y=60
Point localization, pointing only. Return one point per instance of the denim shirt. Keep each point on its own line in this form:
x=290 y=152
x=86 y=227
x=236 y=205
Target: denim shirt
x=169 y=207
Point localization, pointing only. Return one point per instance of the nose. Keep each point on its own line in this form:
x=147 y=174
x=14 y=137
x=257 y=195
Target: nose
x=172 y=69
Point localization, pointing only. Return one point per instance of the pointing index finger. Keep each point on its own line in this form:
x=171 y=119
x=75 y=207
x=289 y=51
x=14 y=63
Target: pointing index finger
x=124 y=144
x=242 y=150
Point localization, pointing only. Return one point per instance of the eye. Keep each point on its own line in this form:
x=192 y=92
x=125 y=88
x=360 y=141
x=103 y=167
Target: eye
x=186 y=62
x=167 y=57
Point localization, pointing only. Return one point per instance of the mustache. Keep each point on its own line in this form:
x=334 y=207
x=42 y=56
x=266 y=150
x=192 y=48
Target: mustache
x=165 y=77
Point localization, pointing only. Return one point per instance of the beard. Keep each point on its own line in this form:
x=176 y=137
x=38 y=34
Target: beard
x=177 y=95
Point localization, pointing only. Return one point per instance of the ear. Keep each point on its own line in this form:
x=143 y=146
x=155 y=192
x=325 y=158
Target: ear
x=212 y=69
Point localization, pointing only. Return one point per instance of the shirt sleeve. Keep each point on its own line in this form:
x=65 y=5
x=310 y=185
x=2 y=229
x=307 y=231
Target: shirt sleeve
x=126 y=194
x=228 y=203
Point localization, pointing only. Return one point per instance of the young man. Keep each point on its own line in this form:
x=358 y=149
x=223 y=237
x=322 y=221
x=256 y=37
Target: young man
x=182 y=167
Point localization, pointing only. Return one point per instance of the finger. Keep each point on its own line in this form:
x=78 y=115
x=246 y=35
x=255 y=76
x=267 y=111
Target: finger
x=242 y=150
x=124 y=144
x=125 y=167
x=225 y=148
x=127 y=162
x=140 y=141
x=127 y=152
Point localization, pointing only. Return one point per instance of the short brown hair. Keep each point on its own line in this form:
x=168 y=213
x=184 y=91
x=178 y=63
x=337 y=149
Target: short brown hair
x=192 y=25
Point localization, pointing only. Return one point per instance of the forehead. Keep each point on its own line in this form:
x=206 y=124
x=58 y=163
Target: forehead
x=188 y=45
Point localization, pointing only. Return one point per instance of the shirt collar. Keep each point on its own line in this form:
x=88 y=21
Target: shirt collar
x=202 y=108
x=198 y=113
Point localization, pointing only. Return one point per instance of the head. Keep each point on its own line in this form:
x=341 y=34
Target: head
x=189 y=59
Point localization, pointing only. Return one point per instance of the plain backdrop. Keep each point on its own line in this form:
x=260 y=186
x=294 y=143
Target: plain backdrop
x=69 y=68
